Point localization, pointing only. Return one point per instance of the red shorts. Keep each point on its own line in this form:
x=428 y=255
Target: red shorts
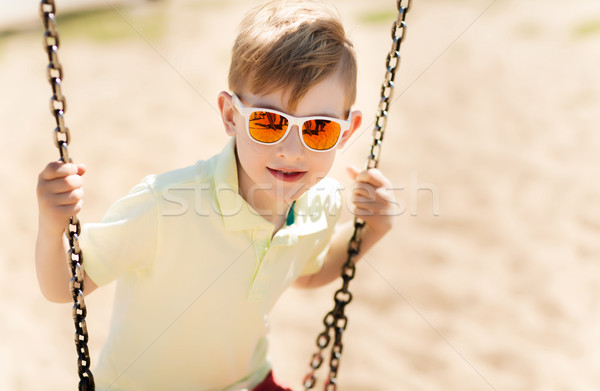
x=269 y=385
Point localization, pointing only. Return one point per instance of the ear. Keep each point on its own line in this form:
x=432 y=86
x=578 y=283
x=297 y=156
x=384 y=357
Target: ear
x=227 y=112
x=355 y=121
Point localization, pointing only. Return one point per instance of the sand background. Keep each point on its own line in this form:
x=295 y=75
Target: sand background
x=489 y=280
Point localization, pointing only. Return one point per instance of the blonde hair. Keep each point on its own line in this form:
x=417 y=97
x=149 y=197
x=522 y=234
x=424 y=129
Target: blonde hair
x=291 y=45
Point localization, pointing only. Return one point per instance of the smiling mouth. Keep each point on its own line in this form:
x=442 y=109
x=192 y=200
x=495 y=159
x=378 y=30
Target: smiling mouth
x=287 y=175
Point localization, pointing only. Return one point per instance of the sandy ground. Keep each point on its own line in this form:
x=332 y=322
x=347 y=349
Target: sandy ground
x=489 y=280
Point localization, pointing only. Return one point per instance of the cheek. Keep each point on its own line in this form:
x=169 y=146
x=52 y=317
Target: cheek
x=321 y=163
x=250 y=156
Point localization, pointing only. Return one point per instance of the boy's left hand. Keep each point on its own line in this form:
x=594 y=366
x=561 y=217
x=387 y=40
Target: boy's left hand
x=373 y=199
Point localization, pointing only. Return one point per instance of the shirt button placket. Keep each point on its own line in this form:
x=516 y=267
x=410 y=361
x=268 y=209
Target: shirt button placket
x=261 y=246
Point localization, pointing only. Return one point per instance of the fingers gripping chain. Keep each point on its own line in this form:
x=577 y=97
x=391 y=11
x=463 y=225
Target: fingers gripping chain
x=336 y=321
x=62 y=137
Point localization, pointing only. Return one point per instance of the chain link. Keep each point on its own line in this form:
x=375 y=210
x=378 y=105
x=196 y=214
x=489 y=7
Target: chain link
x=62 y=137
x=336 y=321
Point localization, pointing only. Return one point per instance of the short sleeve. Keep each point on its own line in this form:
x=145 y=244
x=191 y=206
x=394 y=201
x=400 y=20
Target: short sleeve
x=316 y=263
x=124 y=240
x=331 y=203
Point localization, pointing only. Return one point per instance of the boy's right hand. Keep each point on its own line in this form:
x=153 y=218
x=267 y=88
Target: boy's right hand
x=60 y=195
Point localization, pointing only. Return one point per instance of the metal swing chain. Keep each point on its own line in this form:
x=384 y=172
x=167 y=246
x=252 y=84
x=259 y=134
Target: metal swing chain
x=58 y=106
x=335 y=321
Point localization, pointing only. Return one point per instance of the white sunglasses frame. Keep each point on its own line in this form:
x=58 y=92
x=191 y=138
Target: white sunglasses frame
x=246 y=112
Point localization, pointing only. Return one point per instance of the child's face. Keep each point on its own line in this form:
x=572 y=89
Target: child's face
x=275 y=175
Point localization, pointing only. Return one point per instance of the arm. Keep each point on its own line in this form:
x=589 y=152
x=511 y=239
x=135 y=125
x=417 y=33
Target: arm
x=373 y=202
x=60 y=194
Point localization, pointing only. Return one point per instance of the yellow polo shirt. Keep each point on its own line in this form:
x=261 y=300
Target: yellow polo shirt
x=197 y=273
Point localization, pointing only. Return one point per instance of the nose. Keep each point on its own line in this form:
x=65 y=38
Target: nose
x=291 y=148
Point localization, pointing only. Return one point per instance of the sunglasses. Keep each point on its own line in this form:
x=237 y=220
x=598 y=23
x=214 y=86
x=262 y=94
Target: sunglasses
x=266 y=126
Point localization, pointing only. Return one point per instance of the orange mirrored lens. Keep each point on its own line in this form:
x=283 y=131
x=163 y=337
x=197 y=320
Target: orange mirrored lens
x=267 y=127
x=320 y=134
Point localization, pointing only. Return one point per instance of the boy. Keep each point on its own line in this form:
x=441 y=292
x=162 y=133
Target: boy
x=201 y=254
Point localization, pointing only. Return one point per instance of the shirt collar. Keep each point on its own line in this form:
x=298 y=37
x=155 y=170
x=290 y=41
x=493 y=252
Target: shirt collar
x=237 y=214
